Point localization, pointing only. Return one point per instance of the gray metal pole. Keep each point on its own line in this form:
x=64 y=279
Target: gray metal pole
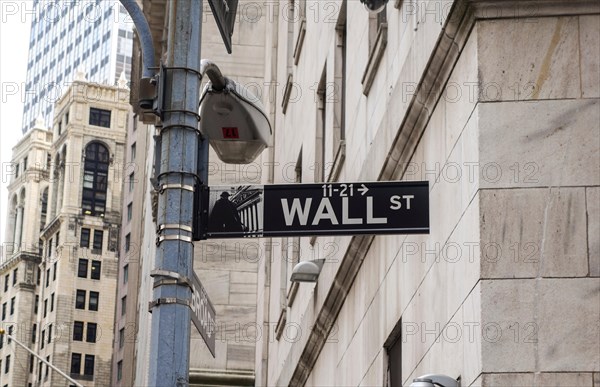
x=64 y=375
x=170 y=337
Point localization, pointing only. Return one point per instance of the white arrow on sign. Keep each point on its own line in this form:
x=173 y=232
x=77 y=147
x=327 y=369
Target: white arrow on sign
x=363 y=190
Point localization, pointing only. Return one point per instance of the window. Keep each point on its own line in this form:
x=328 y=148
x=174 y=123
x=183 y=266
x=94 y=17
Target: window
x=43 y=339
x=125 y=273
x=40 y=367
x=85 y=238
x=91 y=332
x=88 y=368
x=47 y=277
x=47 y=368
x=34 y=333
x=3 y=311
x=7 y=364
x=129 y=211
x=10 y=332
x=52 y=302
x=78 y=331
x=49 y=333
x=80 y=299
x=121 y=337
x=37 y=304
x=320 y=132
x=127 y=242
x=83 y=268
x=12 y=306
x=377 y=44
x=14 y=282
x=96 y=266
x=95 y=179
x=133 y=151
x=44 y=209
x=31 y=363
x=123 y=305
x=75 y=363
x=45 y=307
x=100 y=117
x=93 y=304
x=120 y=370
x=98 y=235
x=131 y=181
x=1 y=341
x=6 y=280
x=54 y=271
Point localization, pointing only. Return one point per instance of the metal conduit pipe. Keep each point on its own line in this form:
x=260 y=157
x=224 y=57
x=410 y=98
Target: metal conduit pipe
x=214 y=74
x=143 y=29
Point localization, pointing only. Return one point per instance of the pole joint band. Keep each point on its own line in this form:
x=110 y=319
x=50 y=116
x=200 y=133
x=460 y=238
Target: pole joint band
x=170 y=278
x=181 y=227
x=165 y=301
x=184 y=187
x=182 y=238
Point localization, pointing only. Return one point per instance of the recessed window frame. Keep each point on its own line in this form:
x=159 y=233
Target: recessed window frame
x=82 y=268
x=100 y=117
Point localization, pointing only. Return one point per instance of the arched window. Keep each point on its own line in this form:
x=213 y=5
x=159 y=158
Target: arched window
x=95 y=179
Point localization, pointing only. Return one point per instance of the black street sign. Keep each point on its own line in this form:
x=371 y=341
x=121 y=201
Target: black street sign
x=203 y=314
x=225 y=13
x=319 y=209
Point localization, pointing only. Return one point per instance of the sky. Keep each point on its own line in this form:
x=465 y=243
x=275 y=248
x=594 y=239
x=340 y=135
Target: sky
x=14 y=43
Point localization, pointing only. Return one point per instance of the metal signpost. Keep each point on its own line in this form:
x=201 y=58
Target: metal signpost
x=318 y=209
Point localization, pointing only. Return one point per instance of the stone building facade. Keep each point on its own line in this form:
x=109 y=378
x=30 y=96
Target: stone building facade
x=66 y=265
x=19 y=268
x=496 y=104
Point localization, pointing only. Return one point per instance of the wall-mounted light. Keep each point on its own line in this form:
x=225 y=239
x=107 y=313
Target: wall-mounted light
x=374 y=6
x=433 y=380
x=307 y=271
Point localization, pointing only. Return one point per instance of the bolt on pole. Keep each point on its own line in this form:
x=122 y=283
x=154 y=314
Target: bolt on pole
x=179 y=160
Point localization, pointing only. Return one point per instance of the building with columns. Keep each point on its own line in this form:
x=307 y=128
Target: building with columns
x=19 y=267
x=60 y=279
x=496 y=104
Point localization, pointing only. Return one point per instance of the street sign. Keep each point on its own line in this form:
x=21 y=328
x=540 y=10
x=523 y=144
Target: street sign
x=390 y=207
x=224 y=12
x=203 y=314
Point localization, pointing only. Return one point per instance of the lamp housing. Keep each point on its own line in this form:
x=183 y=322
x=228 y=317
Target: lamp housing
x=307 y=271
x=434 y=380
x=234 y=121
x=374 y=6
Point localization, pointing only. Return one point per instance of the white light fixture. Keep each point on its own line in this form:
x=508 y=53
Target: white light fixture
x=233 y=120
x=374 y=6
x=433 y=380
x=307 y=271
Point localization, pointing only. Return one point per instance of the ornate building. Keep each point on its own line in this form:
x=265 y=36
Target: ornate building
x=67 y=222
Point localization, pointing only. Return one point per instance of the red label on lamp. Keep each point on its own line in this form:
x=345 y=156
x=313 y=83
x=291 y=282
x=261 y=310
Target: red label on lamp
x=230 y=133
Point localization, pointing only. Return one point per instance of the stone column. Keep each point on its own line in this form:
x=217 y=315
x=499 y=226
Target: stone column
x=19 y=228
